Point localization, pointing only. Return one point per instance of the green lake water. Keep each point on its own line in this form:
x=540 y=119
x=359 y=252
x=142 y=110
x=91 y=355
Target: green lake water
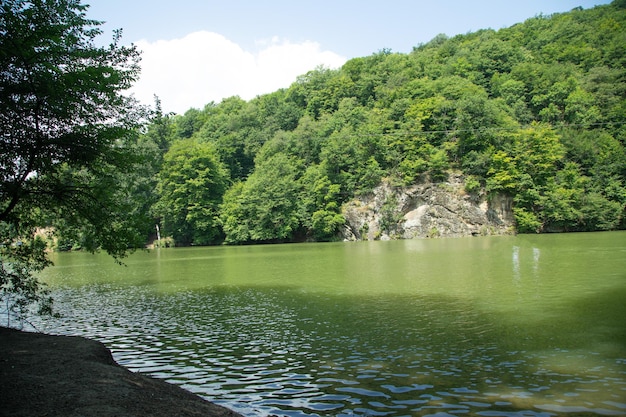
x=531 y=325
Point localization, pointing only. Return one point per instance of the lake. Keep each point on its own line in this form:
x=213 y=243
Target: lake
x=528 y=325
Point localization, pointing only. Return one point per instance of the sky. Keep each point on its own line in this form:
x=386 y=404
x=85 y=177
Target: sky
x=195 y=52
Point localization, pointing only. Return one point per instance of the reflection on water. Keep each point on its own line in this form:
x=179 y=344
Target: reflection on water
x=515 y=258
x=487 y=327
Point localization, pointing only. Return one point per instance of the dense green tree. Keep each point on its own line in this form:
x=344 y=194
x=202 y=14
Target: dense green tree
x=192 y=182
x=319 y=204
x=220 y=129
x=238 y=129
x=310 y=93
x=264 y=208
x=187 y=124
x=66 y=136
x=143 y=179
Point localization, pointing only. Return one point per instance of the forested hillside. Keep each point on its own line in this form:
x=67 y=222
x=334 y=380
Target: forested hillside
x=535 y=111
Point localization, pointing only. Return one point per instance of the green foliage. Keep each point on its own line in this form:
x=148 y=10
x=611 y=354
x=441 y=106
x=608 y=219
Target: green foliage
x=67 y=140
x=569 y=203
x=538 y=151
x=503 y=175
x=472 y=184
x=192 y=182
x=534 y=111
x=319 y=207
x=390 y=215
x=263 y=209
x=325 y=223
x=20 y=260
x=526 y=222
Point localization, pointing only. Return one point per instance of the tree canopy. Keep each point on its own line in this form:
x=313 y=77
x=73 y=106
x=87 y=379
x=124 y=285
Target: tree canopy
x=68 y=138
x=534 y=111
x=191 y=184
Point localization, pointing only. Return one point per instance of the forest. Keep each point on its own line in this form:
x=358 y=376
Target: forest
x=535 y=111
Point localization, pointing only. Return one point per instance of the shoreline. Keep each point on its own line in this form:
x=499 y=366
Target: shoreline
x=47 y=375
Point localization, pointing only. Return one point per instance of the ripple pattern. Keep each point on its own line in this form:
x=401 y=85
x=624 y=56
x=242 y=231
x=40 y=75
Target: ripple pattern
x=276 y=352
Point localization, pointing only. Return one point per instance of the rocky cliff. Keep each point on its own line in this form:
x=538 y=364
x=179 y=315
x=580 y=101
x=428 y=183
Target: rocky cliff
x=426 y=210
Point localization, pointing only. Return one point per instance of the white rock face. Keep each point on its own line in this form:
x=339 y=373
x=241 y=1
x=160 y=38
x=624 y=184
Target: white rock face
x=426 y=210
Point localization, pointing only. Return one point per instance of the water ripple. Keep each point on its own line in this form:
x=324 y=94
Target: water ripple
x=259 y=355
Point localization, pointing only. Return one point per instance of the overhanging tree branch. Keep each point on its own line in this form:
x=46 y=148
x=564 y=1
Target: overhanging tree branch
x=66 y=129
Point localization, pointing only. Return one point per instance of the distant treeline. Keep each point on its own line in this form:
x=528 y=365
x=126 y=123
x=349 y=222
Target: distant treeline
x=536 y=111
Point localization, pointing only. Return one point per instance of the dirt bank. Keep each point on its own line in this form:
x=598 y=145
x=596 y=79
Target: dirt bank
x=43 y=375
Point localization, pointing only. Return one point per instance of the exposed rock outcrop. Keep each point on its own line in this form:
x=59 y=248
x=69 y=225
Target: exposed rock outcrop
x=426 y=210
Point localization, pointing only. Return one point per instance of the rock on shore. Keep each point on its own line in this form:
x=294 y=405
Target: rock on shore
x=426 y=210
x=44 y=375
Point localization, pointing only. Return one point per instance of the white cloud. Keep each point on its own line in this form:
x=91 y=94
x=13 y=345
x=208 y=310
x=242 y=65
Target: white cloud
x=205 y=66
